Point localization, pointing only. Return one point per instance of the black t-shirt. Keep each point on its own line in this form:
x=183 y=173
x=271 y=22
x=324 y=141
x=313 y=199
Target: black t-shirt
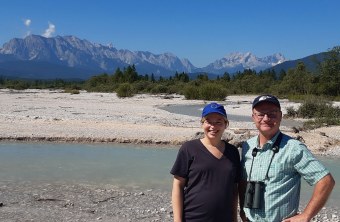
x=208 y=193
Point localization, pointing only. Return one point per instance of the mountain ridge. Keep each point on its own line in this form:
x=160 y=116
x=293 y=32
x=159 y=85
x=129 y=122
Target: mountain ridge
x=82 y=56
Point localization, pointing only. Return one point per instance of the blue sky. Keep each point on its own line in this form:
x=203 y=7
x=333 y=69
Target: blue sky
x=199 y=30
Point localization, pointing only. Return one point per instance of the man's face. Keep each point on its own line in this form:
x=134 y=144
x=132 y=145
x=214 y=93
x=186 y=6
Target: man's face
x=267 y=118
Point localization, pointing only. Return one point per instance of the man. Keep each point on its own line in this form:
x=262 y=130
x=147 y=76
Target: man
x=275 y=163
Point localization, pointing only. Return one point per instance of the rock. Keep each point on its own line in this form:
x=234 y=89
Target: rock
x=240 y=131
x=295 y=130
x=300 y=138
x=322 y=134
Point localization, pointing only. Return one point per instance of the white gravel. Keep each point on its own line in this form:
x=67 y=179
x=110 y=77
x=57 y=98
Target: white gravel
x=103 y=117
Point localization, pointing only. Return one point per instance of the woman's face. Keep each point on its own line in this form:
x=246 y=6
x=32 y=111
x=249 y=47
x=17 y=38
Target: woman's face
x=214 y=125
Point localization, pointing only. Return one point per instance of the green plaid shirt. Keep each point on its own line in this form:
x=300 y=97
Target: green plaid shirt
x=282 y=187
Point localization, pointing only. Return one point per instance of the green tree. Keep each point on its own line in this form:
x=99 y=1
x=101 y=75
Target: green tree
x=282 y=74
x=153 y=78
x=146 y=77
x=183 y=77
x=203 y=77
x=297 y=81
x=263 y=82
x=330 y=73
x=118 y=76
x=226 y=77
x=244 y=81
x=130 y=74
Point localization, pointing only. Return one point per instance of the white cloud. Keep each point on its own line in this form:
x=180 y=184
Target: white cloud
x=27 y=22
x=49 y=31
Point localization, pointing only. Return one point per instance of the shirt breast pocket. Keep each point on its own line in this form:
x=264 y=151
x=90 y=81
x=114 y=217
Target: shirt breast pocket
x=277 y=171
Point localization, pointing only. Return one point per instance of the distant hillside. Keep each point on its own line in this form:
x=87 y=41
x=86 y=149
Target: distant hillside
x=309 y=61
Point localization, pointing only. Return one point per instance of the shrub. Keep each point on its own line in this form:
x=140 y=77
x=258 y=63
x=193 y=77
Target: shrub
x=125 y=90
x=291 y=112
x=191 y=92
x=313 y=107
x=213 y=92
x=71 y=91
x=159 y=89
x=311 y=124
x=18 y=85
x=177 y=88
x=141 y=86
x=321 y=110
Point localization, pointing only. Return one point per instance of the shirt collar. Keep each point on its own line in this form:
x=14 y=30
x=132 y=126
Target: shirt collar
x=269 y=144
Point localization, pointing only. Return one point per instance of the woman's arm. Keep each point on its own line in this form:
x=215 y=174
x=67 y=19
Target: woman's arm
x=177 y=197
x=241 y=190
x=235 y=202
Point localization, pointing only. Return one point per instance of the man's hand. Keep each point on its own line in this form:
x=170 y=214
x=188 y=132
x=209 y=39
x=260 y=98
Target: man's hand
x=297 y=218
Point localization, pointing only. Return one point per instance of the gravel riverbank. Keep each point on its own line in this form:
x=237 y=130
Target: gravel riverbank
x=42 y=202
x=43 y=115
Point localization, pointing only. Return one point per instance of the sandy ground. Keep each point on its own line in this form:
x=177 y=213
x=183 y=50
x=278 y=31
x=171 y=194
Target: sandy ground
x=39 y=115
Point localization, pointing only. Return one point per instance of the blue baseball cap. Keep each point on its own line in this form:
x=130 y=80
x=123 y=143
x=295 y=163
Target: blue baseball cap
x=214 y=108
x=266 y=98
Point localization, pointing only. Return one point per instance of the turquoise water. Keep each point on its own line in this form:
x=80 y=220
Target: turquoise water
x=333 y=165
x=133 y=166
x=123 y=165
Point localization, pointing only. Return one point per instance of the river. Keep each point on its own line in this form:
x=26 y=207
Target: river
x=132 y=166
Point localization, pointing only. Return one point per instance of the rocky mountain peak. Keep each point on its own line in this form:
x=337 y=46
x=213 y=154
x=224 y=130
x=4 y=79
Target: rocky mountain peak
x=73 y=52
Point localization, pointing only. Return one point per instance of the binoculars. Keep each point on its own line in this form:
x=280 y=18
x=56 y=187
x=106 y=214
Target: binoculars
x=254 y=194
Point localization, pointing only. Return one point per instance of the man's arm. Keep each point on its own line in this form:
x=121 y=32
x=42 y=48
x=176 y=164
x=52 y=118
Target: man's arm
x=241 y=191
x=322 y=190
x=177 y=197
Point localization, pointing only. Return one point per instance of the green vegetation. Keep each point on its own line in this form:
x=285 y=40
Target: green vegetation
x=318 y=110
x=72 y=91
x=125 y=90
x=298 y=84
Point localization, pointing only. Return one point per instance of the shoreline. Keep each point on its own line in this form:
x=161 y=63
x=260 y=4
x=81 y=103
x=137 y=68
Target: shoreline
x=54 y=116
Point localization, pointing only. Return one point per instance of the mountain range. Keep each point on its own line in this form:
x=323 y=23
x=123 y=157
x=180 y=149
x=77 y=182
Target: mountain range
x=68 y=57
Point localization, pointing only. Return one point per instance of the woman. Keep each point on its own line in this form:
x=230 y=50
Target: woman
x=206 y=173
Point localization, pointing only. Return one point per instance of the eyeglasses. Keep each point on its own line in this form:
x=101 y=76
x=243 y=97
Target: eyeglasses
x=270 y=115
x=217 y=123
